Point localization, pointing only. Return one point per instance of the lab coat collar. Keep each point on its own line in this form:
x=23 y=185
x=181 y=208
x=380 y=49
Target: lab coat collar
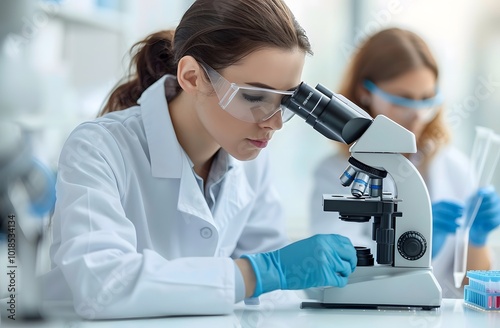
x=164 y=149
x=168 y=160
x=234 y=195
x=166 y=154
x=226 y=161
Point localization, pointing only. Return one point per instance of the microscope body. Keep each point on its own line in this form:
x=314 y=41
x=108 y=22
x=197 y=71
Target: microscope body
x=402 y=222
x=403 y=275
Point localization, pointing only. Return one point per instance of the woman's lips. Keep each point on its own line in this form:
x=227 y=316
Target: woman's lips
x=259 y=143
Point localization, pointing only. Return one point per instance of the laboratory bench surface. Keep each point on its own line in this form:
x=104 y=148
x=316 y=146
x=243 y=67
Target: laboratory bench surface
x=282 y=309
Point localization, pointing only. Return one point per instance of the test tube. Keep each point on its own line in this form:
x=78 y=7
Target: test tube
x=462 y=244
x=485 y=155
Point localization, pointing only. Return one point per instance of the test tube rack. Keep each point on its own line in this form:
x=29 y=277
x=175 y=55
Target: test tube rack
x=483 y=290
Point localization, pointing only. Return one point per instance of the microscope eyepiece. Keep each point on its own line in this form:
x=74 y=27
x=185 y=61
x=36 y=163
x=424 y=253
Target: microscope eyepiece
x=306 y=102
x=331 y=114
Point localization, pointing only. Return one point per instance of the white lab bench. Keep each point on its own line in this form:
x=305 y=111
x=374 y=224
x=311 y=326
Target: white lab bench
x=282 y=309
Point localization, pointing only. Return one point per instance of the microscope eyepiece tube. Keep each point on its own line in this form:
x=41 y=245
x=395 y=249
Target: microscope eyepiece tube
x=306 y=102
x=333 y=116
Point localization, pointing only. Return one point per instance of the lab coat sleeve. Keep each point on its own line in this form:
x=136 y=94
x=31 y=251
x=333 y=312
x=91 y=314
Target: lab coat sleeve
x=265 y=229
x=97 y=246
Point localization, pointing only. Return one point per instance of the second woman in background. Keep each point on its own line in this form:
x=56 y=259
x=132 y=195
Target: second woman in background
x=393 y=73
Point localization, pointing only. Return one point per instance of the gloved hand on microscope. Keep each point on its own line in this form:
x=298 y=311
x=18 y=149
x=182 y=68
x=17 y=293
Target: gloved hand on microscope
x=445 y=215
x=320 y=260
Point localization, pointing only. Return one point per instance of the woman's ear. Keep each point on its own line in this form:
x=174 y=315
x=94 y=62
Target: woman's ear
x=189 y=74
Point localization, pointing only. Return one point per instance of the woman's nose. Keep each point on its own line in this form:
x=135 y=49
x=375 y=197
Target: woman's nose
x=275 y=122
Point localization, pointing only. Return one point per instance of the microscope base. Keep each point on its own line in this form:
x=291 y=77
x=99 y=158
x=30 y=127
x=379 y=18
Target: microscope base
x=383 y=287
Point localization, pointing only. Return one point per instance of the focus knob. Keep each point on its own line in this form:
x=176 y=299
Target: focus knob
x=412 y=245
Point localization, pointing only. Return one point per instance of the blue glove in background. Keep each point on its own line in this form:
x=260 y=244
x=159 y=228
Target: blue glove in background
x=444 y=222
x=320 y=260
x=487 y=217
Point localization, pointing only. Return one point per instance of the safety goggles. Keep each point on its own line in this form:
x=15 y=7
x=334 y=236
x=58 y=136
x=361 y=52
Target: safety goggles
x=246 y=103
x=426 y=108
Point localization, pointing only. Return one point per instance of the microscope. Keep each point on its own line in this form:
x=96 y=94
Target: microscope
x=401 y=223
x=27 y=192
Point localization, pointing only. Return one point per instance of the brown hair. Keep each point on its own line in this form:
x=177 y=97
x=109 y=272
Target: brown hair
x=217 y=32
x=384 y=56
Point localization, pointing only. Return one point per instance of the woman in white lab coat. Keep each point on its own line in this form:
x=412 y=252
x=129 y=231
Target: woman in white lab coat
x=394 y=73
x=163 y=205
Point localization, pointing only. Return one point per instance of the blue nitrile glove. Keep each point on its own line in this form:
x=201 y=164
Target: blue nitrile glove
x=444 y=222
x=487 y=217
x=320 y=260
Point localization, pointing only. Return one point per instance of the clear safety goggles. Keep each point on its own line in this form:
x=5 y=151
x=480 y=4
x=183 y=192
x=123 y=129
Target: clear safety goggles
x=425 y=108
x=246 y=103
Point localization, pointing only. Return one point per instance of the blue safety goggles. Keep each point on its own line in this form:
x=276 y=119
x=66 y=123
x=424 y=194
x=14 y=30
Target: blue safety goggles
x=402 y=101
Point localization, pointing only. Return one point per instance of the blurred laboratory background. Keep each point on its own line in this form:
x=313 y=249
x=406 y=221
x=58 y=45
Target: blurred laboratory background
x=71 y=53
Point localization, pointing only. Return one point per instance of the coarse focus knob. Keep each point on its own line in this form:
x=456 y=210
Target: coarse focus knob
x=412 y=245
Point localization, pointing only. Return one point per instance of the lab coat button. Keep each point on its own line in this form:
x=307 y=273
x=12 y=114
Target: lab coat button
x=206 y=232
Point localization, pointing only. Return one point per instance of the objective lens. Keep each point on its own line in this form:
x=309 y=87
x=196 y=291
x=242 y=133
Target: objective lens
x=375 y=187
x=348 y=176
x=359 y=185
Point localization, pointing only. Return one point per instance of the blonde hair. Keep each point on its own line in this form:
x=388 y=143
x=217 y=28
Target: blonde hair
x=386 y=55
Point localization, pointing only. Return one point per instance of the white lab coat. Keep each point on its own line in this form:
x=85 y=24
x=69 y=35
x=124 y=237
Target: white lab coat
x=448 y=179
x=133 y=235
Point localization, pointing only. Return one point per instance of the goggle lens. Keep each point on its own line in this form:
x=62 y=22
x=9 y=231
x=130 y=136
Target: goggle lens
x=249 y=104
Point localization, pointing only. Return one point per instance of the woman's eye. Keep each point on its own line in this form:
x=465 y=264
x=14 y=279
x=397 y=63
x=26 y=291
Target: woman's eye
x=253 y=98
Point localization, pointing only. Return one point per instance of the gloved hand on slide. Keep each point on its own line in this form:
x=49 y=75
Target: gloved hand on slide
x=320 y=260
x=444 y=222
x=487 y=217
